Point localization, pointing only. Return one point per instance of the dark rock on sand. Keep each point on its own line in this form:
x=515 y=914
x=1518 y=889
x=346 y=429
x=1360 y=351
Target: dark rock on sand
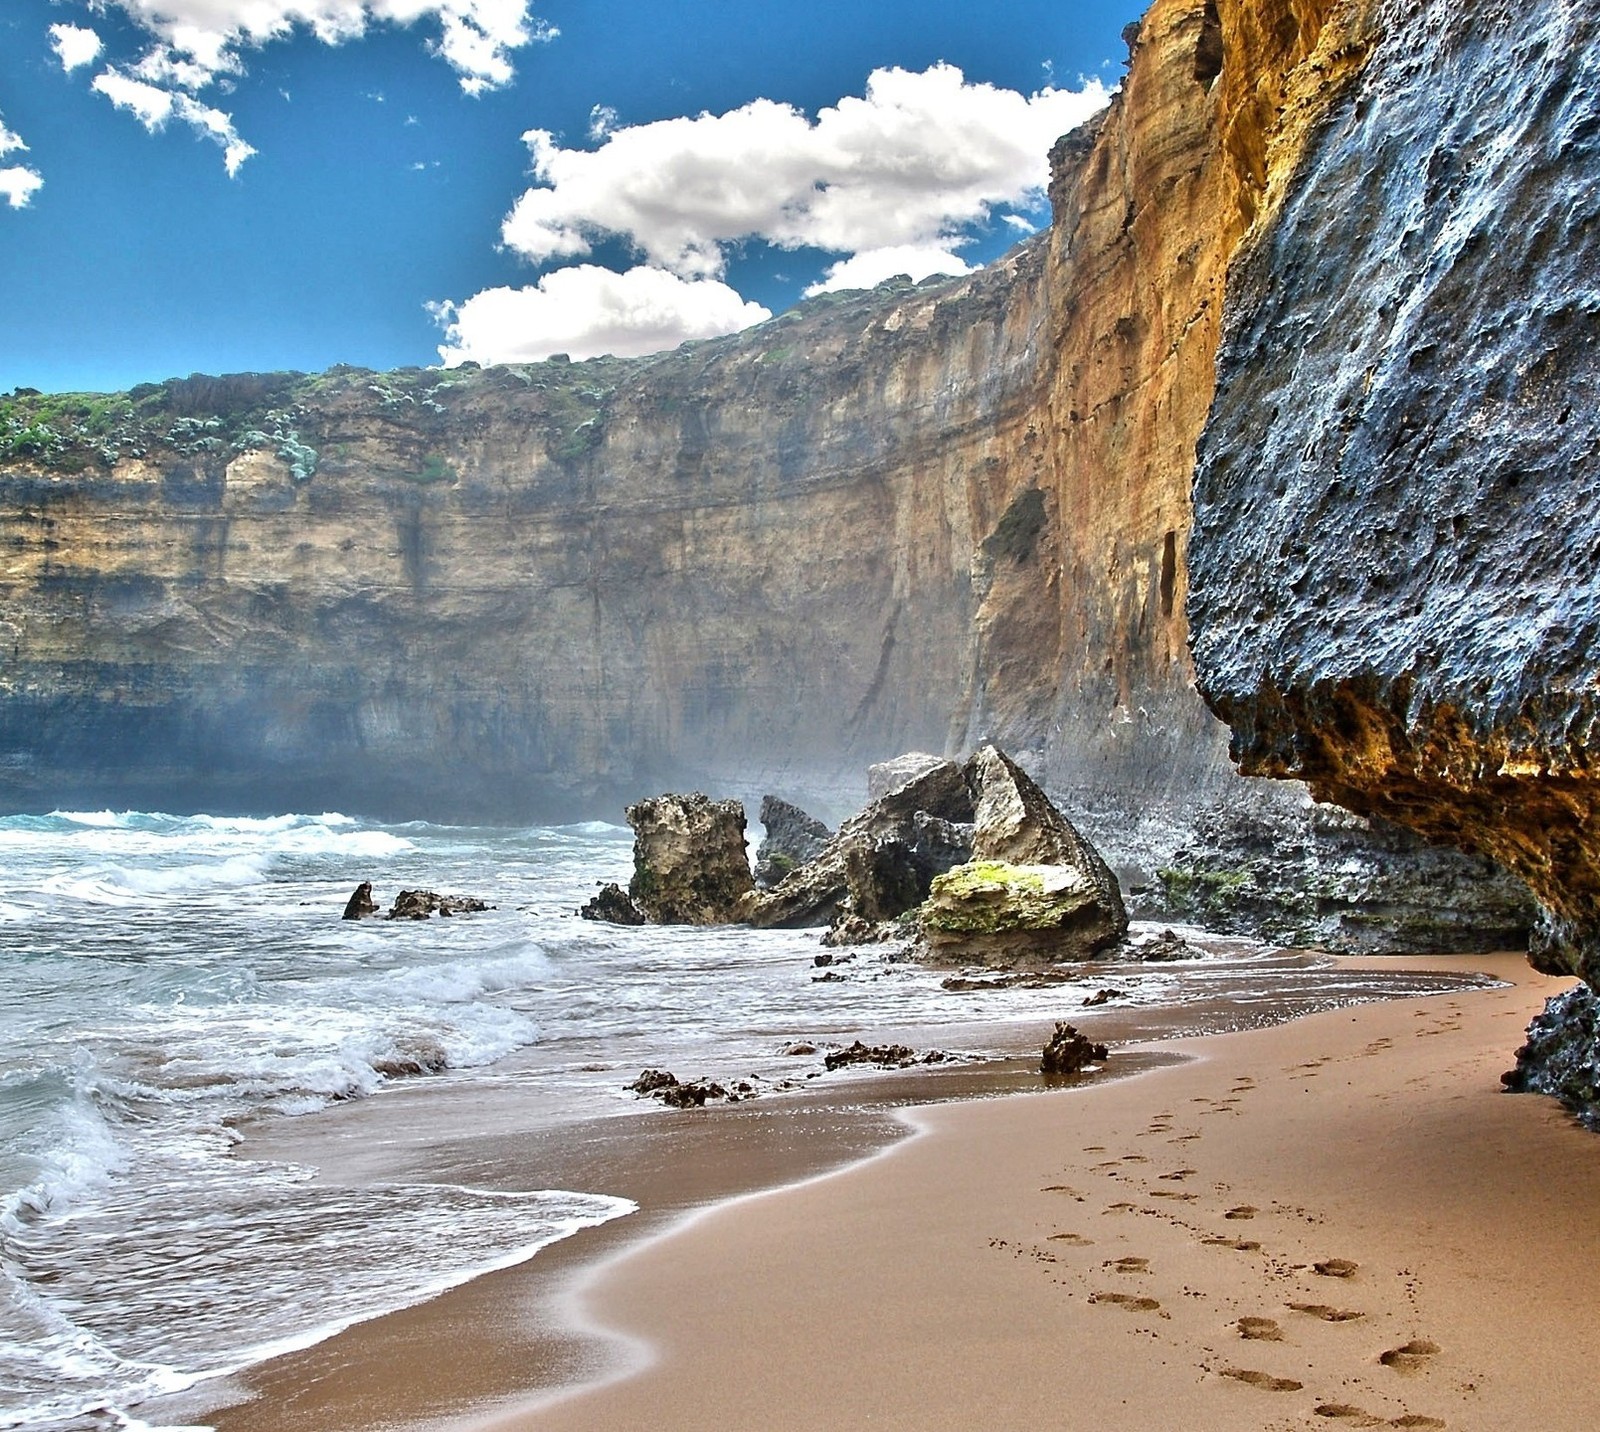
x=665 y=1086
x=614 y=906
x=793 y=839
x=690 y=866
x=361 y=902
x=885 y=1056
x=1562 y=1055
x=1068 y=1052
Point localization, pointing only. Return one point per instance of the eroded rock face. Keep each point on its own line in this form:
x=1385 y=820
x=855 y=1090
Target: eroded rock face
x=1562 y=1053
x=792 y=839
x=886 y=856
x=1393 y=587
x=690 y=866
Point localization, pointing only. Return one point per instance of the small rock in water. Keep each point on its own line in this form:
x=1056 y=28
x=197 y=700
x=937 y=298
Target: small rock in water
x=614 y=906
x=1103 y=996
x=665 y=1086
x=1068 y=1052
x=361 y=903
x=419 y=904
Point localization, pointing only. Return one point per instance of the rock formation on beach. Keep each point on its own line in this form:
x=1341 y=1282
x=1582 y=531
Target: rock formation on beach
x=936 y=514
x=690 y=866
x=973 y=860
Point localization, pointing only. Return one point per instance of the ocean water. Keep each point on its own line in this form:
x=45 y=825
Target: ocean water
x=167 y=984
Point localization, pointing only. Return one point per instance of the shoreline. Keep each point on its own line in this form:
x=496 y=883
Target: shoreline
x=1339 y=1222
x=508 y=1351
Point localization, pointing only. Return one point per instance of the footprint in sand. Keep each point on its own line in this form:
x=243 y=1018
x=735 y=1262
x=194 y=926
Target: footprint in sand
x=1323 y=1311
x=1173 y=1193
x=1244 y=1210
x=1336 y=1268
x=1344 y=1412
x=1264 y=1380
x=1239 y=1245
x=1177 y=1174
x=1077 y=1240
x=1127 y=1301
x=1063 y=1188
x=1360 y=1417
x=1134 y=1158
x=1412 y=1356
x=1128 y=1265
x=1259 y=1330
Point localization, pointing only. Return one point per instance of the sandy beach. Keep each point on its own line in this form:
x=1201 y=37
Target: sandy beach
x=1335 y=1222
x=1339 y=1222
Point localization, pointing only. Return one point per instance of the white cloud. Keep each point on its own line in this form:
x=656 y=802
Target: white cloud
x=869 y=268
x=74 y=45
x=475 y=37
x=18 y=183
x=153 y=106
x=912 y=164
x=197 y=43
x=586 y=311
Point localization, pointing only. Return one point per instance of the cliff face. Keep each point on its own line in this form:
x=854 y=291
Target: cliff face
x=519 y=593
x=1393 y=565
x=919 y=517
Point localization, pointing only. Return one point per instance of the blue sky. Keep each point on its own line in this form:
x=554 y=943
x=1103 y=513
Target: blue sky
x=499 y=178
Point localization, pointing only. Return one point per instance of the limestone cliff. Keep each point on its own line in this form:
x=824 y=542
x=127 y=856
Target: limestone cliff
x=1398 y=500
x=917 y=517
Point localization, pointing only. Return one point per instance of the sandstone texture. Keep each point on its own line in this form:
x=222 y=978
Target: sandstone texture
x=689 y=861
x=1392 y=569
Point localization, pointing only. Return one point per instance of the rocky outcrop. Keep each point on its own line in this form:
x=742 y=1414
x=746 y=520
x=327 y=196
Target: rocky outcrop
x=1035 y=888
x=690 y=866
x=792 y=839
x=420 y=904
x=1392 y=570
x=1562 y=1054
x=612 y=905
x=1015 y=823
x=360 y=903
x=882 y=860
x=1313 y=874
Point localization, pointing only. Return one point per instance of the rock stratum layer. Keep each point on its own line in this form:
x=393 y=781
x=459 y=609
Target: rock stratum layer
x=1393 y=567
x=918 y=517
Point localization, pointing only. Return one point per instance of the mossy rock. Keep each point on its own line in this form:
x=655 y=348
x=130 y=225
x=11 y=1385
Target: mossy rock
x=990 y=897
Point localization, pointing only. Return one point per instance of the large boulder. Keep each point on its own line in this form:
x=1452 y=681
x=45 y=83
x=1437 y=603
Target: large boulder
x=793 y=839
x=990 y=911
x=884 y=858
x=1035 y=888
x=690 y=866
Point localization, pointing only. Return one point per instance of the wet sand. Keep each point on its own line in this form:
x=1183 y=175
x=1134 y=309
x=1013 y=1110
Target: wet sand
x=1139 y=1253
